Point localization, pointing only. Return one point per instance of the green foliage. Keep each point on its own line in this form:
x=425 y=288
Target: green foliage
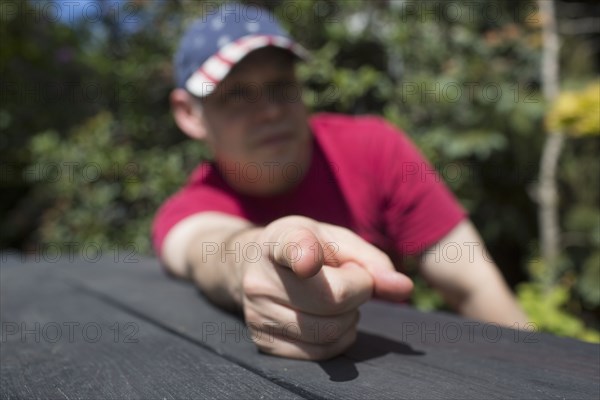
x=587 y=284
x=108 y=191
x=424 y=298
x=545 y=308
x=547 y=298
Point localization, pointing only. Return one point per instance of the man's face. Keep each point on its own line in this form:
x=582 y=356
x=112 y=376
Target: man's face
x=255 y=118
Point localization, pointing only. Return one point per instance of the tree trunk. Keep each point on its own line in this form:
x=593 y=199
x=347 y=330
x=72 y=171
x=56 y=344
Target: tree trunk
x=547 y=191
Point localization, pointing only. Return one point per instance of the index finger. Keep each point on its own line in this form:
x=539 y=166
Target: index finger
x=297 y=248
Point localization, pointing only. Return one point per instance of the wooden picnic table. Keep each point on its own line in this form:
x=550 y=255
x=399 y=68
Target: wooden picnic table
x=116 y=330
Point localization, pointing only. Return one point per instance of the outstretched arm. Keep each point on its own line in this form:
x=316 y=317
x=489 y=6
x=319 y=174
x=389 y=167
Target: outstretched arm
x=293 y=278
x=469 y=281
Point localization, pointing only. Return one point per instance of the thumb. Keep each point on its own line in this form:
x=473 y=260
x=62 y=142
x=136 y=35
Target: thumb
x=297 y=248
x=389 y=284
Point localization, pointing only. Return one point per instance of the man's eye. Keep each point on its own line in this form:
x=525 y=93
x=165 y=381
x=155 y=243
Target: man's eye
x=232 y=97
x=287 y=90
x=240 y=94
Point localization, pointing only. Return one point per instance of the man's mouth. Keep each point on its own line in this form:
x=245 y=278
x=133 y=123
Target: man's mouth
x=275 y=138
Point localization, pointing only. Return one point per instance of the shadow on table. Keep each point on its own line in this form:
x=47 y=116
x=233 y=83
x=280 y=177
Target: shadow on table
x=367 y=347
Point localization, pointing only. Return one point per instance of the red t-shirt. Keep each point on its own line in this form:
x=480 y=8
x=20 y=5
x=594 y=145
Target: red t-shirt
x=365 y=175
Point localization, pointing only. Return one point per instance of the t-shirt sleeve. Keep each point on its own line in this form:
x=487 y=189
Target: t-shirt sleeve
x=192 y=199
x=419 y=209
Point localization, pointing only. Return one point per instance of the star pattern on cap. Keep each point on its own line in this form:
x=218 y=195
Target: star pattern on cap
x=252 y=26
x=217 y=24
x=223 y=40
x=215 y=43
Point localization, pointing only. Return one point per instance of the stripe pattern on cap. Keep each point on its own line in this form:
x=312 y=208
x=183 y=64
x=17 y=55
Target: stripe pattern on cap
x=204 y=81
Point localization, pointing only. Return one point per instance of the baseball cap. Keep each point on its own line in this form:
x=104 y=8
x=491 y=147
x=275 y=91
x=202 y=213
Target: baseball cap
x=215 y=42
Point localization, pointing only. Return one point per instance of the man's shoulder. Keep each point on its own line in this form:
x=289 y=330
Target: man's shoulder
x=361 y=132
x=346 y=123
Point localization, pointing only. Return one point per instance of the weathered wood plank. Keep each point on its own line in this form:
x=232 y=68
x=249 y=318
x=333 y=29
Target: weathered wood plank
x=60 y=342
x=386 y=362
x=400 y=353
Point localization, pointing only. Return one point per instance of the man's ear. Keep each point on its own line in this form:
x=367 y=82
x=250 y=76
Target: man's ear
x=188 y=114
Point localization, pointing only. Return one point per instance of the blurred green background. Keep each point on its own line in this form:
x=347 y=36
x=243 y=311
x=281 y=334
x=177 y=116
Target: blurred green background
x=89 y=150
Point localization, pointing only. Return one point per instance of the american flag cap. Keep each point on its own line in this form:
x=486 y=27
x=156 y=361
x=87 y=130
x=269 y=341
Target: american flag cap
x=223 y=36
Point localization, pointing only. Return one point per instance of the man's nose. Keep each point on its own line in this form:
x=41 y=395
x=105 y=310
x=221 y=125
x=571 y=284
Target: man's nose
x=269 y=105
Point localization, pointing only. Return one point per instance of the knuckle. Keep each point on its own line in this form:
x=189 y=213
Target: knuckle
x=383 y=255
x=253 y=284
x=331 y=332
x=265 y=346
x=297 y=219
x=340 y=293
x=334 y=298
x=251 y=317
x=347 y=231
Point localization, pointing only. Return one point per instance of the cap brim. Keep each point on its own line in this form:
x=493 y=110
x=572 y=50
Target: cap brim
x=206 y=78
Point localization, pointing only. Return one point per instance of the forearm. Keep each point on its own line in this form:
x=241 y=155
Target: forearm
x=481 y=294
x=217 y=262
x=492 y=302
x=471 y=283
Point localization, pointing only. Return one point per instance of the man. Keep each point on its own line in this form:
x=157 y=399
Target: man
x=296 y=218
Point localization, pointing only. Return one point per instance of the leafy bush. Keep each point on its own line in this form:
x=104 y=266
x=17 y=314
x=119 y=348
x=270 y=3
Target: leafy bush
x=108 y=191
x=546 y=309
